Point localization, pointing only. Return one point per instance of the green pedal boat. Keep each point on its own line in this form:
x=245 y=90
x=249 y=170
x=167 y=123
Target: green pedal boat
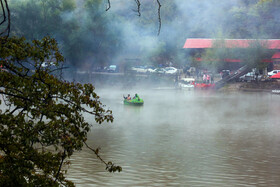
x=135 y=102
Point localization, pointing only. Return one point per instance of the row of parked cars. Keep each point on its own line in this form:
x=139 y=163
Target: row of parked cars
x=147 y=69
x=140 y=69
x=251 y=76
x=110 y=69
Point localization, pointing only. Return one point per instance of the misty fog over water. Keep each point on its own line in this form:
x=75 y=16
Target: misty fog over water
x=183 y=138
x=178 y=138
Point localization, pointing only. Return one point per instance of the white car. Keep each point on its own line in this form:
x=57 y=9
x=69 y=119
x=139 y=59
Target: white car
x=250 y=76
x=151 y=70
x=170 y=70
x=273 y=72
x=112 y=69
x=139 y=69
x=159 y=70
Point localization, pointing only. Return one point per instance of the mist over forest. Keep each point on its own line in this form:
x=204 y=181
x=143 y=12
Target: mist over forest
x=89 y=36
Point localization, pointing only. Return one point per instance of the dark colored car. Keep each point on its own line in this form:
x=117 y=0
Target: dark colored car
x=225 y=73
x=112 y=69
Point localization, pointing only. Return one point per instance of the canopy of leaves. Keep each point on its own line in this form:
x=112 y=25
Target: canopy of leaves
x=41 y=116
x=82 y=28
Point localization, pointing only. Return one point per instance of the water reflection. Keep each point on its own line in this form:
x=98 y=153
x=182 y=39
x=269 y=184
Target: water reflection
x=185 y=139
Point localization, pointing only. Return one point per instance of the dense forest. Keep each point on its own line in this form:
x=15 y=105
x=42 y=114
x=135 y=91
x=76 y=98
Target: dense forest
x=91 y=36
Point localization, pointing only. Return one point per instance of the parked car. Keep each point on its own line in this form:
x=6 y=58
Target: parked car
x=160 y=70
x=251 y=76
x=273 y=72
x=151 y=70
x=225 y=73
x=171 y=70
x=100 y=69
x=112 y=69
x=139 y=69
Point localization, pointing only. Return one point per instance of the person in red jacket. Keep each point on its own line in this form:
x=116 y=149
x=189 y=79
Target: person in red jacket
x=128 y=97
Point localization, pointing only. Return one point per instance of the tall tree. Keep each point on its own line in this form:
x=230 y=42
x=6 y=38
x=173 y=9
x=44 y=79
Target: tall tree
x=84 y=30
x=41 y=120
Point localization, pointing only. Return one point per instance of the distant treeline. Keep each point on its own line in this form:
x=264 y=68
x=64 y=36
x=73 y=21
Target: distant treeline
x=91 y=36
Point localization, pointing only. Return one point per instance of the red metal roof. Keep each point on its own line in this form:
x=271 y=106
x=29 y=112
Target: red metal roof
x=212 y=60
x=276 y=55
x=227 y=60
x=231 y=43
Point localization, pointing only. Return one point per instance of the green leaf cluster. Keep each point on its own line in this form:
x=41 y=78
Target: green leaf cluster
x=42 y=116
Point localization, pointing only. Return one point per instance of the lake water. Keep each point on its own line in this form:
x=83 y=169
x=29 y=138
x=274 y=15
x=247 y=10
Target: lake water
x=183 y=138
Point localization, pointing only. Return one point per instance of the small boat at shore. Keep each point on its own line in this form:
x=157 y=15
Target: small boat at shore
x=203 y=85
x=186 y=83
x=275 y=91
x=190 y=84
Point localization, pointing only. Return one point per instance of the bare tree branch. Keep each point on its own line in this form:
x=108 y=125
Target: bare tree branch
x=5 y=12
x=60 y=166
x=139 y=11
x=159 y=18
x=109 y=166
x=109 y=5
x=138 y=7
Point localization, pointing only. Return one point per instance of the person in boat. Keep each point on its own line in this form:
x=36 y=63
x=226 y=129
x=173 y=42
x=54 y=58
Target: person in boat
x=128 y=97
x=136 y=97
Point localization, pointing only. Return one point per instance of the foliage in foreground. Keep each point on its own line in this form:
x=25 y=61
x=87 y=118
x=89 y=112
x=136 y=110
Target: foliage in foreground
x=41 y=116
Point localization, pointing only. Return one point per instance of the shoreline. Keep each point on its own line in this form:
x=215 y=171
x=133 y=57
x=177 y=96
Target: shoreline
x=268 y=87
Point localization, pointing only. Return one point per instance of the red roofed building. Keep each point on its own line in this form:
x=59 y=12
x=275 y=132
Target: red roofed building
x=276 y=60
x=205 y=43
x=276 y=56
x=192 y=43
